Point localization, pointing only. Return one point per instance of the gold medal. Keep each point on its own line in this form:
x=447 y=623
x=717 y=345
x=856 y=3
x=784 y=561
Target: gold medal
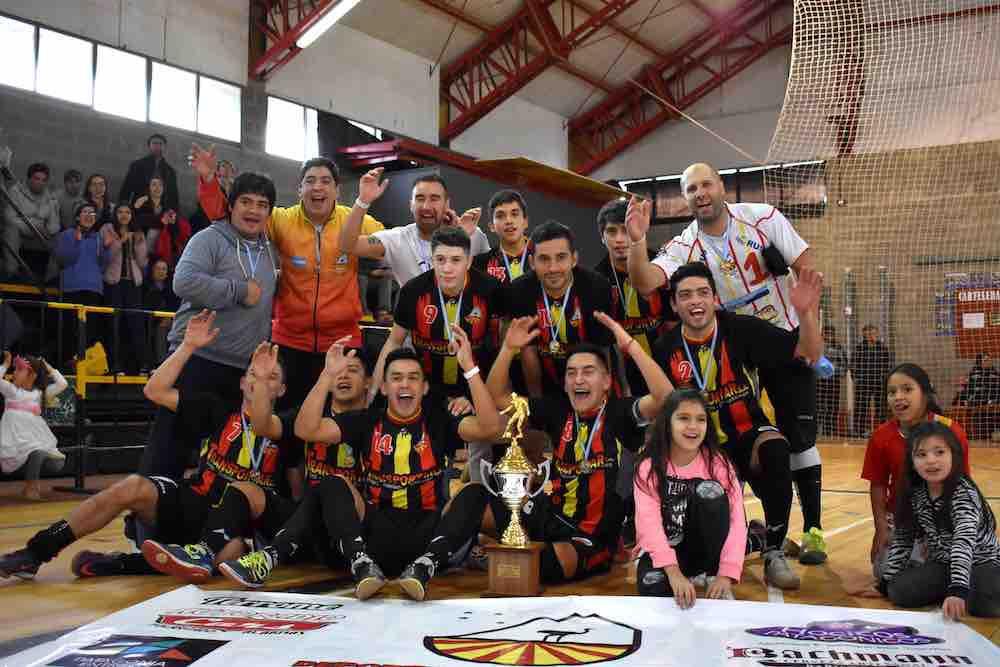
x=555 y=347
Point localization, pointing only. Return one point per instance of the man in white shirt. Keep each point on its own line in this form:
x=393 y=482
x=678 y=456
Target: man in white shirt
x=407 y=250
x=749 y=249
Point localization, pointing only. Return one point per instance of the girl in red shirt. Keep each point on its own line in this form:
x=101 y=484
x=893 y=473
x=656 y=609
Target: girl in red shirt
x=912 y=401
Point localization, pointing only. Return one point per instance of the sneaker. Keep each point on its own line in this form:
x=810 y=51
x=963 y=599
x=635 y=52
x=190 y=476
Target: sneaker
x=416 y=577
x=756 y=536
x=191 y=563
x=97 y=564
x=728 y=595
x=251 y=570
x=813 y=547
x=777 y=571
x=20 y=564
x=368 y=577
x=791 y=549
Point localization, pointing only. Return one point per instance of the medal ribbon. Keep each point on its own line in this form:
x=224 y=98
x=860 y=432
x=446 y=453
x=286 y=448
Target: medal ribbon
x=583 y=461
x=250 y=441
x=701 y=381
x=506 y=262
x=553 y=323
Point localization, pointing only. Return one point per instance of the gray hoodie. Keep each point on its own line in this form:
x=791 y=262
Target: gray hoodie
x=211 y=275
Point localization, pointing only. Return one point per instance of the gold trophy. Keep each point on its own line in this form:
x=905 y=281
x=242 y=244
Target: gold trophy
x=514 y=563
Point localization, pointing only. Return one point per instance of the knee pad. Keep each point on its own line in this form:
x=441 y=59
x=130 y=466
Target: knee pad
x=652 y=582
x=551 y=568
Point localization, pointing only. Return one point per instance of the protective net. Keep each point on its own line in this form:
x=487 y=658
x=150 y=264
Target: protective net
x=899 y=101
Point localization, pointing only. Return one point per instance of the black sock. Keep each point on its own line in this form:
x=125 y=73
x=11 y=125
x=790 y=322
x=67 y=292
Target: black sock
x=809 y=484
x=773 y=485
x=46 y=544
x=227 y=520
x=343 y=524
x=459 y=524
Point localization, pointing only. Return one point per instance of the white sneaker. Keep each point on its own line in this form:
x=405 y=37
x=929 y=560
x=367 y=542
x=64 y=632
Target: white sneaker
x=777 y=571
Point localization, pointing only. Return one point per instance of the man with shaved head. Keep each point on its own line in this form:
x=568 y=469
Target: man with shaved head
x=749 y=249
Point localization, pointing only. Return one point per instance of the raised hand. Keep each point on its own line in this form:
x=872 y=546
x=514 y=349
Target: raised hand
x=369 y=188
x=637 y=217
x=622 y=337
x=199 y=331
x=336 y=360
x=264 y=360
x=139 y=202
x=470 y=220
x=6 y=359
x=459 y=405
x=805 y=294
x=463 y=348
x=203 y=161
x=521 y=332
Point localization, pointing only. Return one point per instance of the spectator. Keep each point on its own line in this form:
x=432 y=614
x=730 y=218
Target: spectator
x=828 y=389
x=171 y=238
x=34 y=200
x=69 y=196
x=869 y=368
x=96 y=193
x=123 y=285
x=148 y=209
x=159 y=295
x=983 y=385
x=374 y=274
x=83 y=255
x=142 y=170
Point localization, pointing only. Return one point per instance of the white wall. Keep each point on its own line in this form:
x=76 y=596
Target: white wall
x=517 y=128
x=744 y=110
x=351 y=74
x=207 y=37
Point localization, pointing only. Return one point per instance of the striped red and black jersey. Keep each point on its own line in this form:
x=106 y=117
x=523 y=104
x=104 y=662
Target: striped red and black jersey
x=491 y=263
x=645 y=318
x=230 y=453
x=584 y=484
x=403 y=461
x=329 y=459
x=418 y=309
x=590 y=293
x=745 y=345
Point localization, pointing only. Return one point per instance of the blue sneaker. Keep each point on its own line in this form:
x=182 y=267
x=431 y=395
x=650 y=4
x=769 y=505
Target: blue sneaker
x=192 y=563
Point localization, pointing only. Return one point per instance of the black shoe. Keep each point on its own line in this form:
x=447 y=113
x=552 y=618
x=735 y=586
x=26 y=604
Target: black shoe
x=97 y=564
x=368 y=577
x=416 y=577
x=20 y=564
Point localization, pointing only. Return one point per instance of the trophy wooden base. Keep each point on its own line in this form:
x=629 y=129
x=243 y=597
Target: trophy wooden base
x=514 y=571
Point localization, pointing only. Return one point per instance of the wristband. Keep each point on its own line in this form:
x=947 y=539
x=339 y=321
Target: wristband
x=471 y=373
x=360 y=204
x=628 y=345
x=641 y=241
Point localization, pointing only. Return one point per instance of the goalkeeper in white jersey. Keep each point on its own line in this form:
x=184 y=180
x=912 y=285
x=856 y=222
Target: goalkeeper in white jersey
x=749 y=249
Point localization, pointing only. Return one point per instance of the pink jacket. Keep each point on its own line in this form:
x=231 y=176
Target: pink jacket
x=140 y=256
x=650 y=535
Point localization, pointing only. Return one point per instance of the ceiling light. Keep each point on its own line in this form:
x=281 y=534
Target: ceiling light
x=334 y=14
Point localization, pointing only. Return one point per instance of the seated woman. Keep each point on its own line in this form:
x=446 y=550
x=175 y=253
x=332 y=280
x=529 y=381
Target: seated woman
x=27 y=444
x=940 y=503
x=912 y=402
x=688 y=506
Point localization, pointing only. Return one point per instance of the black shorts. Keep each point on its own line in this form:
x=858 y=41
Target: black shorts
x=792 y=390
x=544 y=524
x=741 y=450
x=180 y=511
x=277 y=511
x=395 y=538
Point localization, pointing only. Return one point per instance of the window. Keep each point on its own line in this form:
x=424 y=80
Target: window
x=219 y=106
x=173 y=97
x=18 y=41
x=120 y=85
x=65 y=67
x=312 y=133
x=286 y=131
x=374 y=131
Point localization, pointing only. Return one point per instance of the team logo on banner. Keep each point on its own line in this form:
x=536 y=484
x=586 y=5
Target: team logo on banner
x=853 y=632
x=570 y=640
x=135 y=650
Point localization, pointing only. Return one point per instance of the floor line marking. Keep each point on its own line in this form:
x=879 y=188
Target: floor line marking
x=843 y=529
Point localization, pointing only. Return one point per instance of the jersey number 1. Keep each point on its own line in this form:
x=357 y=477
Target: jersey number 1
x=752 y=264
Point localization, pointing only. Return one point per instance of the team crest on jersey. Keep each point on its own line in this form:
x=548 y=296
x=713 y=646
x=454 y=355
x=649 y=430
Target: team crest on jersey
x=474 y=316
x=343 y=259
x=497 y=271
x=576 y=318
x=570 y=640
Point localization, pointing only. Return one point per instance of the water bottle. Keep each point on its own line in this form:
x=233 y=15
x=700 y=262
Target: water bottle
x=824 y=368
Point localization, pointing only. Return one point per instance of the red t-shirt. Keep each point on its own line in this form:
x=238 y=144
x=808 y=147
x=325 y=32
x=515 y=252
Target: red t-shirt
x=886 y=452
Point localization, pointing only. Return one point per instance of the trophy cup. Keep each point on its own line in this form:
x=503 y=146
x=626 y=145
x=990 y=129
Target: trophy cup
x=514 y=563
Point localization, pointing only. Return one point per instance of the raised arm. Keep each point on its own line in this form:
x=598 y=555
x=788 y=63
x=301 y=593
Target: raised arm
x=485 y=425
x=656 y=379
x=310 y=424
x=644 y=276
x=263 y=365
x=57 y=384
x=520 y=333
x=160 y=387
x=369 y=189
x=210 y=195
x=805 y=296
x=397 y=336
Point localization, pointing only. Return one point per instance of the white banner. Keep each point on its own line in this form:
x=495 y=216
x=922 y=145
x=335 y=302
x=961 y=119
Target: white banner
x=241 y=629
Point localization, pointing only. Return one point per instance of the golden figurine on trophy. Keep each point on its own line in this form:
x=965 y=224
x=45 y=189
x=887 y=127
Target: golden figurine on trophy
x=514 y=562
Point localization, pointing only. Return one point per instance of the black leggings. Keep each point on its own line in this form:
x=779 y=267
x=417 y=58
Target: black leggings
x=928 y=584
x=706 y=527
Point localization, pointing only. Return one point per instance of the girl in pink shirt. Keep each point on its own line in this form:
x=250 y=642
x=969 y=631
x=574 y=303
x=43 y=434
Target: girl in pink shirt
x=688 y=506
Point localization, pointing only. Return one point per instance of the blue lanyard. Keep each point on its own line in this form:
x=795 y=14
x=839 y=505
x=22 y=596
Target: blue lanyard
x=256 y=454
x=696 y=364
x=590 y=436
x=444 y=313
x=251 y=260
x=554 y=325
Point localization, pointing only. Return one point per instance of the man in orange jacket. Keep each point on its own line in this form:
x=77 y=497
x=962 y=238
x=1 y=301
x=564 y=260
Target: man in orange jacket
x=317 y=301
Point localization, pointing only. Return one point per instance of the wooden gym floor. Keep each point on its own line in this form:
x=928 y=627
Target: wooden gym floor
x=56 y=601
